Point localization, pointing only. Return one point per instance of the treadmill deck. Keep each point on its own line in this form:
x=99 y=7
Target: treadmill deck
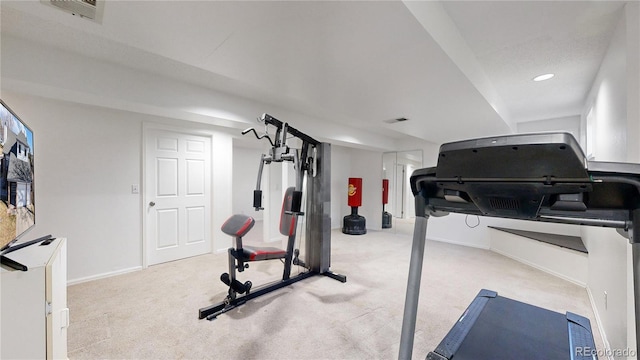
x=494 y=328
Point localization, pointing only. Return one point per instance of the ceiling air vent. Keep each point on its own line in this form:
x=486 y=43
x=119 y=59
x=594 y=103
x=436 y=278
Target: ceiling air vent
x=393 y=121
x=83 y=8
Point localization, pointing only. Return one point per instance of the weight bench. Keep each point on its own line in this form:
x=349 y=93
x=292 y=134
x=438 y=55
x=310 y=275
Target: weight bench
x=238 y=226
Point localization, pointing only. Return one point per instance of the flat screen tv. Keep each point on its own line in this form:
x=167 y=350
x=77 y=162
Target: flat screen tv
x=17 y=202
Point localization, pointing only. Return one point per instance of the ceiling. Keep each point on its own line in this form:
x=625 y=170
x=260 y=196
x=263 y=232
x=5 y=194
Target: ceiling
x=455 y=69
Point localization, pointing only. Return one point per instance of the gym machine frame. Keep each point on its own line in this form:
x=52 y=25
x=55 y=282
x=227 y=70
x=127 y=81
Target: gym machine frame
x=312 y=160
x=538 y=177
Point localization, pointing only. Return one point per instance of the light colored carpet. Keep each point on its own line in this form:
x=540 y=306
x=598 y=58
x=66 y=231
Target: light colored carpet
x=153 y=313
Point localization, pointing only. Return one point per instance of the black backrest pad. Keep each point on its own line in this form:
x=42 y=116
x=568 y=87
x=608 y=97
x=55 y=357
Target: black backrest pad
x=288 y=222
x=238 y=225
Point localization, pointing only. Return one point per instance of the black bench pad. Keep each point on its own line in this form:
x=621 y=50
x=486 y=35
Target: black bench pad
x=251 y=253
x=238 y=225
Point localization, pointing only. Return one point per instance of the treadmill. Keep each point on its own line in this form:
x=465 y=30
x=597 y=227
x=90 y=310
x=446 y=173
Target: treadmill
x=539 y=177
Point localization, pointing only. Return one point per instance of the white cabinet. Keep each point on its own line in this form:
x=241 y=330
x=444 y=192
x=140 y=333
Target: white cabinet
x=34 y=314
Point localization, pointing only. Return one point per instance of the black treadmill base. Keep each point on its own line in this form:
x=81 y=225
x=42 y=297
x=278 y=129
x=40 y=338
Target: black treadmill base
x=494 y=327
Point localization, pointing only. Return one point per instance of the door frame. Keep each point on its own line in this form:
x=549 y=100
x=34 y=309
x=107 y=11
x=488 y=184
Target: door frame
x=400 y=189
x=146 y=127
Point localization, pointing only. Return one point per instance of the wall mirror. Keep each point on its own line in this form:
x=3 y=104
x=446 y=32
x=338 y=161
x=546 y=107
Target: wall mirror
x=397 y=167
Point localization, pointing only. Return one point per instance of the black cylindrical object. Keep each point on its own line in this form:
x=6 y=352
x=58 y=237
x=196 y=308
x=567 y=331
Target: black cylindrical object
x=386 y=220
x=236 y=285
x=354 y=224
x=257 y=199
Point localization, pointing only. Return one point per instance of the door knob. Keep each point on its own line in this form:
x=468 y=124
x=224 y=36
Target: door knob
x=152 y=204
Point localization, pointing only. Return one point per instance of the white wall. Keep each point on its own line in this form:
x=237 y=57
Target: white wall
x=246 y=161
x=632 y=12
x=453 y=229
x=340 y=172
x=368 y=166
x=615 y=129
x=564 y=263
x=86 y=159
x=570 y=124
x=608 y=99
x=221 y=182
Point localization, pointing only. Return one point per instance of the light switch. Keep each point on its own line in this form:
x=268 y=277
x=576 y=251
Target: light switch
x=135 y=189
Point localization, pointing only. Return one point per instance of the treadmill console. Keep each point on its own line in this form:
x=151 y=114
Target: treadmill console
x=528 y=176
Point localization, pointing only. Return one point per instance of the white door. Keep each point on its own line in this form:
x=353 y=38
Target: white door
x=178 y=195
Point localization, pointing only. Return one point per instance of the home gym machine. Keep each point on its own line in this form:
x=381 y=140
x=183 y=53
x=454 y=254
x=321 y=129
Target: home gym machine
x=538 y=177
x=311 y=162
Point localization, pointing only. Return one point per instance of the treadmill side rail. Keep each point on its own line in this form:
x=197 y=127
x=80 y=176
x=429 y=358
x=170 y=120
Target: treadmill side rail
x=450 y=344
x=581 y=342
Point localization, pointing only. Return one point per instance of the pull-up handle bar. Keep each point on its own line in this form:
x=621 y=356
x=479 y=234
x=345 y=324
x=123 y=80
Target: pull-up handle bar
x=246 y=131
x=268 y=119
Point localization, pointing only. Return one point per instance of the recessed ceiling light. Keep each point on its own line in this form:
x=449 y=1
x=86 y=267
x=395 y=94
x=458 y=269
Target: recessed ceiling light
x=543 y=77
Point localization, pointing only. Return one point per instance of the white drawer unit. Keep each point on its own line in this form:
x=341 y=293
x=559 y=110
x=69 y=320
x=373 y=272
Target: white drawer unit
x=34 y=314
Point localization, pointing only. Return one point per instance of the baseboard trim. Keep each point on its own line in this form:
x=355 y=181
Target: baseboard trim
x=103 y=275
x=542 y=268
x=443 y=240
x=603 y=334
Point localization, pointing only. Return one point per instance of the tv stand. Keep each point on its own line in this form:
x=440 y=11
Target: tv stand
x=34 y=309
